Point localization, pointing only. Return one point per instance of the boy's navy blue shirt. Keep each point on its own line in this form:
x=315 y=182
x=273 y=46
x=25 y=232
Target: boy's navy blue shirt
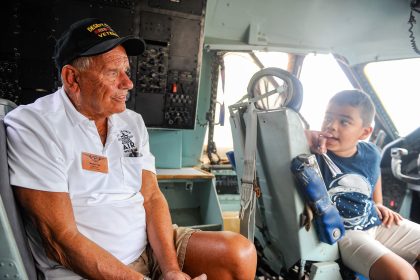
x=352 y=191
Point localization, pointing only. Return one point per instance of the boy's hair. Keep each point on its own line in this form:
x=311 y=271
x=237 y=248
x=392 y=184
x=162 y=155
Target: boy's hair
x=357 y=99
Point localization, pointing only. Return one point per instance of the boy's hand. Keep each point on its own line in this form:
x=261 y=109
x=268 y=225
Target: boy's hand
x=317 y=141
x=388 y=216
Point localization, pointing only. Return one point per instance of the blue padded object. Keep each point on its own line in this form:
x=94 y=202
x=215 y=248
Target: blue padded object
x=231 y=157
x=328 y=222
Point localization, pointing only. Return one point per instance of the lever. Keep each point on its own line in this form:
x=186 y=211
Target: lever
x=396 y=154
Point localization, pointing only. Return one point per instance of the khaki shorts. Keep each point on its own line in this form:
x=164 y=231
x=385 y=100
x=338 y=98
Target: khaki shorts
x=361 y=249
x=147 y=263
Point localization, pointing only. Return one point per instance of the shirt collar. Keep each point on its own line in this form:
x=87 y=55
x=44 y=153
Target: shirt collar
x=76 y=117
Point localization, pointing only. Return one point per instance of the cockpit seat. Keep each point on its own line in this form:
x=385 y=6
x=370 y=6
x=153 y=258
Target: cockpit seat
x=15 y=253
x=280 y=209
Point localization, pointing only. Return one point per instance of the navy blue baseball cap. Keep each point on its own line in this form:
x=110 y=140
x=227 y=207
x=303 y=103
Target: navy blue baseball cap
x=92 y=36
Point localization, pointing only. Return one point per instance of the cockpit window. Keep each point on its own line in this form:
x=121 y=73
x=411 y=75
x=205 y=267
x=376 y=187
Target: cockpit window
x=321 y=78
x=239 y=68
x=396 y=84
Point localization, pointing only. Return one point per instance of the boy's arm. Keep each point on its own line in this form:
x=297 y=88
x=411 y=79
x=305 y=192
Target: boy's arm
x=387 y=216
x=377 y=193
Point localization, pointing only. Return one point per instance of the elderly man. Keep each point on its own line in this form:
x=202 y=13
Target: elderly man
x=84 y=175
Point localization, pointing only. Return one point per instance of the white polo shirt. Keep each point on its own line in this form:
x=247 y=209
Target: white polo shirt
x=46 y=141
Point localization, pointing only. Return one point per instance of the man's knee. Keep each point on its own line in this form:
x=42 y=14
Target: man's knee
x=240 y=252
x=240 y=246
x=221 y=255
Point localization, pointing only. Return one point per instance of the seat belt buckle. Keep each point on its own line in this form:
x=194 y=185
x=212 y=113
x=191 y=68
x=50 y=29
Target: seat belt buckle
x=255 y=186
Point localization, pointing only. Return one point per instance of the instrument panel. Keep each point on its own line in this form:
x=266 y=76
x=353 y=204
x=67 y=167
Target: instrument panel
x=165 y=76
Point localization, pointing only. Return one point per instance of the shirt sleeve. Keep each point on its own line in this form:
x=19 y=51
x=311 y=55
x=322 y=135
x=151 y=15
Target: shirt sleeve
x=35 y=160
x=148 y=158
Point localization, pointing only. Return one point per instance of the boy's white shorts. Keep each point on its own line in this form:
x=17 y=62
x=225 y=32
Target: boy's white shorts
x=361 y=249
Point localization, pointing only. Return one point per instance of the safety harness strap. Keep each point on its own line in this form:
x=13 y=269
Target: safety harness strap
x=249 y=187
x=248 y=197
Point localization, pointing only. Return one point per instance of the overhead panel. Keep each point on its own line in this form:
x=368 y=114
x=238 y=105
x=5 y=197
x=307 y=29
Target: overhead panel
x=165 y=77
x=168 y=71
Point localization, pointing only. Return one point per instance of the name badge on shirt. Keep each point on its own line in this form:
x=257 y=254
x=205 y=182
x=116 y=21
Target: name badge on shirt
x=94 y=163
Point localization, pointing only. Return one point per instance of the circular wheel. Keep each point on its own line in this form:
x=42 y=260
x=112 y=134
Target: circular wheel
x=269 y=79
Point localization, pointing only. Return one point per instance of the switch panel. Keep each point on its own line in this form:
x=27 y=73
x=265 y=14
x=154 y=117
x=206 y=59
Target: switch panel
x=165 y=77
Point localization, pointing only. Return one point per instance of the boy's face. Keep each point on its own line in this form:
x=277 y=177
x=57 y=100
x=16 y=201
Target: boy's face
x=346 y=126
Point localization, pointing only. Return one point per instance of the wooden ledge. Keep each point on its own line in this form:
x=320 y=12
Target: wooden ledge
x=188 y=173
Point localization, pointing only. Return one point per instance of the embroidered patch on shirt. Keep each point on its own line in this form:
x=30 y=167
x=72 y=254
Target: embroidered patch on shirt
x=130 y=149
x=94 y=163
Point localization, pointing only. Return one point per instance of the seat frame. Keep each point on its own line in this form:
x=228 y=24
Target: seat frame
x=16 y=252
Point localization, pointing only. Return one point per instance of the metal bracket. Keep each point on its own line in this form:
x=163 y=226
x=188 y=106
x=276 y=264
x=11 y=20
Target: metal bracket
x=8 y=269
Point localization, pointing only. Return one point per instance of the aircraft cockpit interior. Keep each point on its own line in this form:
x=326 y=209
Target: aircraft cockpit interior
x=227 y=90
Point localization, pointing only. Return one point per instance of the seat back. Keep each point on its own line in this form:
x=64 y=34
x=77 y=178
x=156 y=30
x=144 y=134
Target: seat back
x=6 y=106
x=280 y=138
x=14 y=246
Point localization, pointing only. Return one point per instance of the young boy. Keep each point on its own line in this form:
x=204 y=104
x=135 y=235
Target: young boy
x=378 y=242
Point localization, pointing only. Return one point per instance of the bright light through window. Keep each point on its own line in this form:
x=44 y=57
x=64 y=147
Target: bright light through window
x=321 y=78
x=397 y=87
x=239 y=68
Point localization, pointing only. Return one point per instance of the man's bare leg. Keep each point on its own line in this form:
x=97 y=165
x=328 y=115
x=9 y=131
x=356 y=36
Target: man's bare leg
x=221 y=255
